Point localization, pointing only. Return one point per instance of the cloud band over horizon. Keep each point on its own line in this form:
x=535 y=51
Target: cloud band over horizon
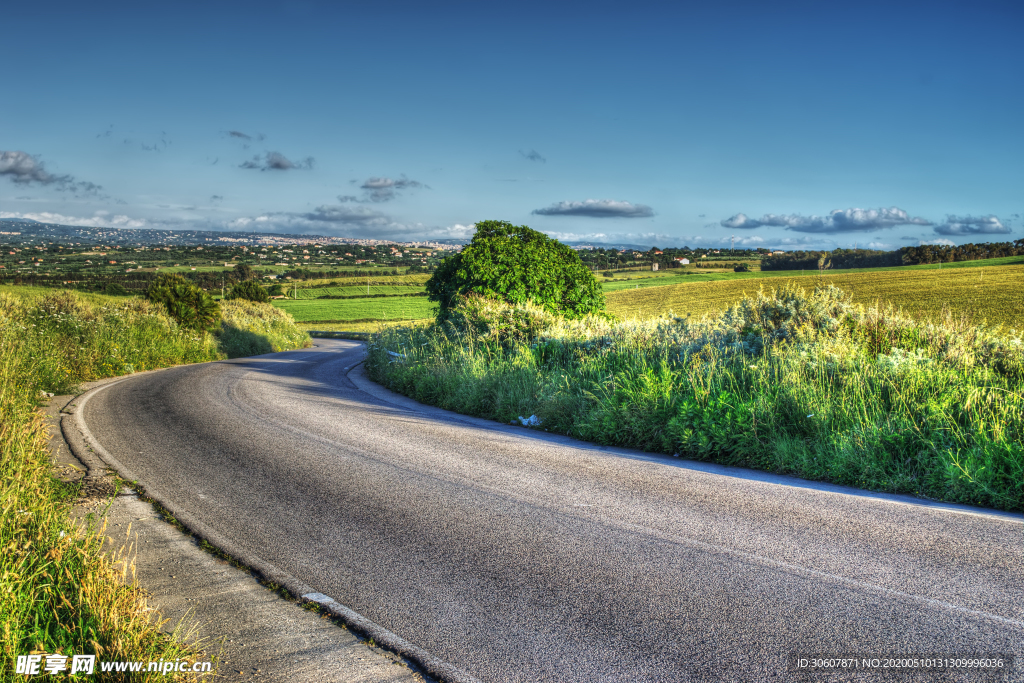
x=838 y=221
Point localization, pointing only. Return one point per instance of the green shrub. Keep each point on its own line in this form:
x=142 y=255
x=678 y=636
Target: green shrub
x=517 y=265
x=186 y=302
x=114 y=289
x=249 y=290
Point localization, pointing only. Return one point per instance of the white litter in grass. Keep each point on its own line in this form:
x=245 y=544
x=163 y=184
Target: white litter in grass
x=532 y=421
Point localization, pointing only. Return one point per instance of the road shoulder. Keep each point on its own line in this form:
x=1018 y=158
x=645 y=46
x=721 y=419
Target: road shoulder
x=254 y=632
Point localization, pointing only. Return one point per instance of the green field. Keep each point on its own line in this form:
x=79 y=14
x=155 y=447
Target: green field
x=358 y=290
x=365 y=326
x=375 y=280
x=989 y=294
x=352 y=310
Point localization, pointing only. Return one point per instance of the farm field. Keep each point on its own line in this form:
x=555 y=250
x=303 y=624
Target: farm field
x=375 y=281
x=366 y=326
x=359 y=290
x=350 y=310
x=989 y=294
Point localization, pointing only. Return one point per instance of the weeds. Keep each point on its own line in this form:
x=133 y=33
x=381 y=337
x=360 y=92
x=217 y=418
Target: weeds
x=60 y=592
x=785 y=381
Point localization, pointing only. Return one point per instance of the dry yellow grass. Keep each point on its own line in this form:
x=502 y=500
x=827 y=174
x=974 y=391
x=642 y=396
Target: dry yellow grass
x=994 y=295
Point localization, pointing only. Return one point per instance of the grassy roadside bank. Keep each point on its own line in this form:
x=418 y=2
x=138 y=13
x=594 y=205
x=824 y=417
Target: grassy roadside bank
x=789 y=382
x=58 y=592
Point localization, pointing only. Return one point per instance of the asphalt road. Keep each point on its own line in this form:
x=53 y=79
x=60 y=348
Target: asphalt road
x=516 y=555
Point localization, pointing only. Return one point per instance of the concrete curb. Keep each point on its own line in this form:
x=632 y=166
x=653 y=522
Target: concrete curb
x=90 y=452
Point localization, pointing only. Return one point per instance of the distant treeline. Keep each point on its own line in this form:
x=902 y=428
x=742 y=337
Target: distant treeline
x=139 y=282
x=940 y=253
x=133 y=282
x=840 y=258
x=907 y=256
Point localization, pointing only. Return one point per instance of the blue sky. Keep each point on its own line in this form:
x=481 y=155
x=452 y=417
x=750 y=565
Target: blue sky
x=786 y=124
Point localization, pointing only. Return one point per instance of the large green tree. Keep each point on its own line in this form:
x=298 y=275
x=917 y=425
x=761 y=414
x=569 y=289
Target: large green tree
x=518 y=265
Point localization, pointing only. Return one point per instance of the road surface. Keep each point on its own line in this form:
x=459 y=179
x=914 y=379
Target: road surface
x=516 y=555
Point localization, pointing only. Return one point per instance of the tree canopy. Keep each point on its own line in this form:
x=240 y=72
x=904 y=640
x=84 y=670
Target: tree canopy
x=250 y=291
x=185 y=302
x=518 y=265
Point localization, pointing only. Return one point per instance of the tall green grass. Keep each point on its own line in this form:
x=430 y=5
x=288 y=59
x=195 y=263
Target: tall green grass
x=250 y=329
x=65 y=339
x=59 y=592
x=788 y=382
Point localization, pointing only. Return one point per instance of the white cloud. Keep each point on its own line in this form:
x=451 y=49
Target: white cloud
x=971 y=225
x=100 y=219
x=24 y=169
x=840 y=220
x=383 y=189
x=597 y=208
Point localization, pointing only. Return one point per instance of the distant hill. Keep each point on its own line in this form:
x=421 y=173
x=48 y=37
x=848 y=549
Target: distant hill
x=35 y=232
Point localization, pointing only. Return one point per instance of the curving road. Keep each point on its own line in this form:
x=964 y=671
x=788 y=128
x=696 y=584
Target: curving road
x=515 y=555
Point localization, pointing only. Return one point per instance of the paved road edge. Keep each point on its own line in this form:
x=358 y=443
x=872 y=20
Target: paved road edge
x=88 y=449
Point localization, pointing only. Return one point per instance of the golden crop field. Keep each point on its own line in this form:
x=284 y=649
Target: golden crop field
x=994 y=294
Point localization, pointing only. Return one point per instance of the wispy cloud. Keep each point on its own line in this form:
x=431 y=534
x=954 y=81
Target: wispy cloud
x=971 y=225
x=382 y=189
x=348 y=221
x=533 y=155
x=24 y=169
x=275 y=161
x=245 y=138
x=385 y=189
x=352 y=215
x=838 y=221
x=597 y=208
x=100 y=219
